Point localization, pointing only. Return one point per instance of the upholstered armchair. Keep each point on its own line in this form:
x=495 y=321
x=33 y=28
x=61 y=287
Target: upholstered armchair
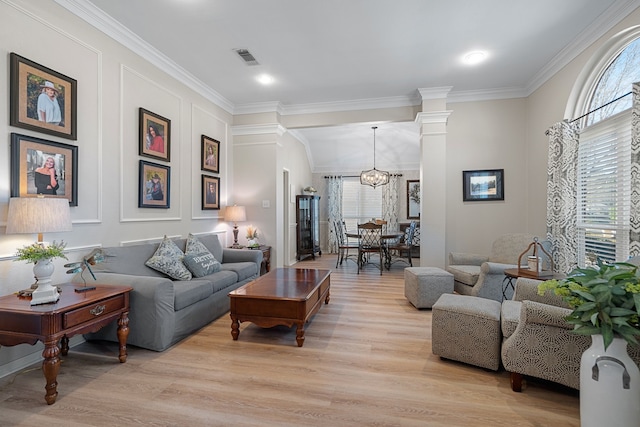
x=538 y=342
x=482 y=275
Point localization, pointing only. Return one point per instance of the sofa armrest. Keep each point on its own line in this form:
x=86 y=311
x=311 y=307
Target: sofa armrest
x=495 y=268
x=527 y=289
x=242 y=255
x=462 y=258
x=151 y=309
x=533 y=312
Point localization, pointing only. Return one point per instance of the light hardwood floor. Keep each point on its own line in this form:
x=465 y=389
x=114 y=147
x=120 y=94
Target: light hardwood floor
x=366 y=361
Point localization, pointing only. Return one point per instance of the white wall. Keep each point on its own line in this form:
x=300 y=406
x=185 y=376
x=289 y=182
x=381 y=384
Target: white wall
x=113 y=84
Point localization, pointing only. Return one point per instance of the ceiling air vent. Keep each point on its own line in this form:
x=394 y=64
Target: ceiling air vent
x=246 y=56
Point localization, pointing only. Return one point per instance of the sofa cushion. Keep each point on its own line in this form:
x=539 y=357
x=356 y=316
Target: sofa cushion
x=213 y=245
x=467 y=274
x=244 y=270
x=509 y=317
x=201 y=264
x=189 y=292
x=222 y=279
x=168 y=260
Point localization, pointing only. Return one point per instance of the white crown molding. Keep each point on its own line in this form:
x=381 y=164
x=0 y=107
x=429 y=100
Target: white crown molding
x=605 y=22
x=487 y=94
x=259 y=107
x=351 y=105
x=103 y=22
x=307 y=147
x=269 y=128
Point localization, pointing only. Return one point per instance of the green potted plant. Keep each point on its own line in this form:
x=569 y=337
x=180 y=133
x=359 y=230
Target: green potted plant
x=606 y=305
x=42 y=256
x=605 y=300
x=38 y=251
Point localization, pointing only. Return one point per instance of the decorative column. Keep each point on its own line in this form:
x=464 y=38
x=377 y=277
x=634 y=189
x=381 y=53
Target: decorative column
x=433 y=176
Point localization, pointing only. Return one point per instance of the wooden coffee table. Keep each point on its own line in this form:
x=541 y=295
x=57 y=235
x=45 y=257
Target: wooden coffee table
x=284 y=296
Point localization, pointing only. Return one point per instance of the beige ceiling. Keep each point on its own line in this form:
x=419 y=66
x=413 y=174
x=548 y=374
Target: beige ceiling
x=324 y=53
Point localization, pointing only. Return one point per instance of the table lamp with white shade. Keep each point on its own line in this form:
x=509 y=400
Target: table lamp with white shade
x=235 y=214
x=40 y=215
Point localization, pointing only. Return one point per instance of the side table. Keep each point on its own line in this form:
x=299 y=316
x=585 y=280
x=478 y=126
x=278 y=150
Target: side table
x=265 y=267
x=510 y=274
x=74 y=313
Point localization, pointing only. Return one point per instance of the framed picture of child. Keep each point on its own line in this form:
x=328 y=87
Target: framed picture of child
x=155 y=136
x=154 y=185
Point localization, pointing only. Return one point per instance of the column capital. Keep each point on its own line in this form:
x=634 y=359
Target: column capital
x=435 y=92
x=433 y=117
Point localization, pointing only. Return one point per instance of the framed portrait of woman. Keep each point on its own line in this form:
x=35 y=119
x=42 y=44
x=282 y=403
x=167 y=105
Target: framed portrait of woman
x=155 y=136
x=43 y=168
x=42 y=99
x=210 y=149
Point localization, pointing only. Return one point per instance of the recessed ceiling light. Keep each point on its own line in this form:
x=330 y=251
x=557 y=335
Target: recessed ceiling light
x=474 y=57
x=265 y=79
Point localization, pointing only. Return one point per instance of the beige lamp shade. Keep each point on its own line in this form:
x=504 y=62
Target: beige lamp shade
x=38 y=215
x=235 y=214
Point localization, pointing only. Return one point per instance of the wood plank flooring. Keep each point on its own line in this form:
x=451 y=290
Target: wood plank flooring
x=366 y=361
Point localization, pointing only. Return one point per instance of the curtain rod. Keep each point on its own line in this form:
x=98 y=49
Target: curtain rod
x=595 y=109
x=354 y=176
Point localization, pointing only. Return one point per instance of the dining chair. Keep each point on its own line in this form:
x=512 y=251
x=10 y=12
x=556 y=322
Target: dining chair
x=370 y=243
x=343 y=243
x=398 y=251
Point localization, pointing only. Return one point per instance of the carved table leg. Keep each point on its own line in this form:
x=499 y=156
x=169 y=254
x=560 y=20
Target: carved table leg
x=123 y=334
x=64 y=345
x=235 y=327
x=300 y=334
x=50 y=368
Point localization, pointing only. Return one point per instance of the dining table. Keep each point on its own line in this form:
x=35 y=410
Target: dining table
x=385 y=238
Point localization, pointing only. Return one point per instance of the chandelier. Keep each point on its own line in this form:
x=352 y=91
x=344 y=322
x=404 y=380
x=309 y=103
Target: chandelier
x=374 y=177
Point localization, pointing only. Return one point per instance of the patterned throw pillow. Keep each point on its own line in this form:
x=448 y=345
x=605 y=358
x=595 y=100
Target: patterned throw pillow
x=168 y=260
x=198 y=259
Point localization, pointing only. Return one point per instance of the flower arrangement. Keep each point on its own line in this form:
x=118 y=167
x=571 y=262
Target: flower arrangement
x=252 y=232
x=38 y=251
x=605 y=300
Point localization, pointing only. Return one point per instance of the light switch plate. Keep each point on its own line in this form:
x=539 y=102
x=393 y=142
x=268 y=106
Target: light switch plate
x=266 y=204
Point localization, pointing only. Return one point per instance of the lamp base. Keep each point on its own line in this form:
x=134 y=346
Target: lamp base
x=45 y=294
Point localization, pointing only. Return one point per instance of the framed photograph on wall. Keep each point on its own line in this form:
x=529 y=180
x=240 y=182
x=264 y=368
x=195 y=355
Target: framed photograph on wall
x=41 y=167
x=483 y=185
x=155 y=136
x=210 y=192
x=210 y=149
x=413 y=199
x=154 y=185
x=42 y=99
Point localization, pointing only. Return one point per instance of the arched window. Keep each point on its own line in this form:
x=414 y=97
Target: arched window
x=604 y=157
x=614 y=84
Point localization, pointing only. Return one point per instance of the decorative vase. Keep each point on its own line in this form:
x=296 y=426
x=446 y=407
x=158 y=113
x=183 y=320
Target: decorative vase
x=609 y=385
x=45 y=292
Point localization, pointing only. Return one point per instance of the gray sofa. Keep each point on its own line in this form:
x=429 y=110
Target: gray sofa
x=164 y=311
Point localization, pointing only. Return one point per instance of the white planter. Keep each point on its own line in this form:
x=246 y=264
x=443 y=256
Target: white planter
x=609 y=386
x=45 y=293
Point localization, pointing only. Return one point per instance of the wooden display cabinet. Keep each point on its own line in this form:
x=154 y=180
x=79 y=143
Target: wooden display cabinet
x=308 y=226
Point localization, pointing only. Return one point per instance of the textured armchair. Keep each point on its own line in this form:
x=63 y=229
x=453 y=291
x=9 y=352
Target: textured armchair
x=538 y=342
x=482 y=275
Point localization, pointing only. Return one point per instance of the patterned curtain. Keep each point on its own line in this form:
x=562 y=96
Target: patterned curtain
x=562 y=195
x=334 y=198
x=390 y=200
x=634 y=235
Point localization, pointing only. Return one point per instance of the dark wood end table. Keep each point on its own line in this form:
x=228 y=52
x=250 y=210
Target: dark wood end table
x=74 y=313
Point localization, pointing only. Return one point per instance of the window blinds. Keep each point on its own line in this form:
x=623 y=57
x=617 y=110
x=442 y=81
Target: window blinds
x=604 y=190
